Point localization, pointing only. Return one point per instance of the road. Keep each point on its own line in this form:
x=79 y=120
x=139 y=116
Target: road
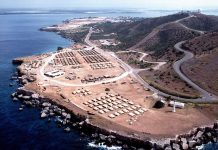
x=54 y=81
x=188 y=55
x=157 y=67
x=177 y=67
x=206 y=96
x=158 y=28
x=191 y=16
x=133 y=73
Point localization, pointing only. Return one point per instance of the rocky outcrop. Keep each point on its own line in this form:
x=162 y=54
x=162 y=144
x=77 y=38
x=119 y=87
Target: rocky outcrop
x=68 y=120
x=17 y=61
x=53 y=28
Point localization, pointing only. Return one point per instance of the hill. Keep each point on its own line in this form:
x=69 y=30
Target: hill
x=155 y=36
x=129 y=33
x=166 y=38
x=202 y=44
x=203 y=69
x=202 y=22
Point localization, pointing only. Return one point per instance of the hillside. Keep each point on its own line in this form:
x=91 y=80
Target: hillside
x=156 y=37
x=166 y=38
x=202 y=44
x=202 y=22
x=129 y=33
x=203 y=69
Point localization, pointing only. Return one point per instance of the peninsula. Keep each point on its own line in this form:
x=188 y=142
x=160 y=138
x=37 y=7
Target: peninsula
x=132 y=79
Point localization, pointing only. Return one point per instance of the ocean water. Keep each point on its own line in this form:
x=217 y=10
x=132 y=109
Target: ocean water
x=19 y=36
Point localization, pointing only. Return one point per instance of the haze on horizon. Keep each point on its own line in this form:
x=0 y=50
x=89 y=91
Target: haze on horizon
x=96 y=4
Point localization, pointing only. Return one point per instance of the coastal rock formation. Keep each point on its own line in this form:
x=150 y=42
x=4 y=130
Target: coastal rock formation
x=191 y=140
x=59 y=109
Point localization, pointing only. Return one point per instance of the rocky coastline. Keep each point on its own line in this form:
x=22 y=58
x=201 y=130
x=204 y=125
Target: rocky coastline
x=17 y=61
x=68 y=119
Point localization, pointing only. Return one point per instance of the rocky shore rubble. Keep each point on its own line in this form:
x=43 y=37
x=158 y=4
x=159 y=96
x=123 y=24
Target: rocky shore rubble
x=68 y=120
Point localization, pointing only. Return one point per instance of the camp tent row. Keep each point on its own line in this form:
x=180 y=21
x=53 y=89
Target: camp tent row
x=102 y=66
x=116 y=104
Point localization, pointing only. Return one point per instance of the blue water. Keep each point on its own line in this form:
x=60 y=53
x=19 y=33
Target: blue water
x=19 y=36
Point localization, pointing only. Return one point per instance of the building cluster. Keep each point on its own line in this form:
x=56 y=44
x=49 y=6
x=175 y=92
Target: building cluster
x=65 y=59
x=95 y=59
x=88 y=52
x=71 y=76
x=102 y=66
x=36 y=64
x=82 y=92
x=95 y=79
x=114 y=106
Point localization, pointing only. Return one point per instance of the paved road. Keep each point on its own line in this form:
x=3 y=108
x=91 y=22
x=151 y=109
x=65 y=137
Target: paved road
x=177 y=67
x=158 y=28
x=191 y=16
x=57 y=82
x=134 y=73
x=157 y=67
x=206 y=96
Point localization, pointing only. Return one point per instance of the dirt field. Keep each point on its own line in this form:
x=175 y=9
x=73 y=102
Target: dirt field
x=154 y=123
x=86 y=70
x=123 y=106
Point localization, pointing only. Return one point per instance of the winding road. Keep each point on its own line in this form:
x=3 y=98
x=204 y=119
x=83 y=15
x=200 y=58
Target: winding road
x=177 y=67
x=206 y=96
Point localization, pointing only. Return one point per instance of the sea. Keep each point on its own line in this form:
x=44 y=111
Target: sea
x=20 y=36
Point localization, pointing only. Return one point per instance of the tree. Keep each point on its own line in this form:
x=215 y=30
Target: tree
x=107 y=89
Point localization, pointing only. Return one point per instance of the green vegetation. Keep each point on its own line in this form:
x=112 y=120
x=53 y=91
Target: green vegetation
x=171 y=92
x=202 y=22
x=202 y=44
x=107 y=89
x=169 y=37
x=140 y=64
x=76 y=36
x=129 y=33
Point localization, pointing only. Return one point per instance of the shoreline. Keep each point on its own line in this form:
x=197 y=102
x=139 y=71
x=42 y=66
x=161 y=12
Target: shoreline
x=99 y=134
x=144 y=140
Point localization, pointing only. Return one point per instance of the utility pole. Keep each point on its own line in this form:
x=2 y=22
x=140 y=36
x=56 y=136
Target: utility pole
x=174 y=106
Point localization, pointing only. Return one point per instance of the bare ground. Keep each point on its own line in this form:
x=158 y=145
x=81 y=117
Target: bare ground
x=166 y=77
x=203 y=70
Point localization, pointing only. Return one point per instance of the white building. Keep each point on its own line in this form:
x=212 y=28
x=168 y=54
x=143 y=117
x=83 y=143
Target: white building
x=177 y=104
x=54 y=73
